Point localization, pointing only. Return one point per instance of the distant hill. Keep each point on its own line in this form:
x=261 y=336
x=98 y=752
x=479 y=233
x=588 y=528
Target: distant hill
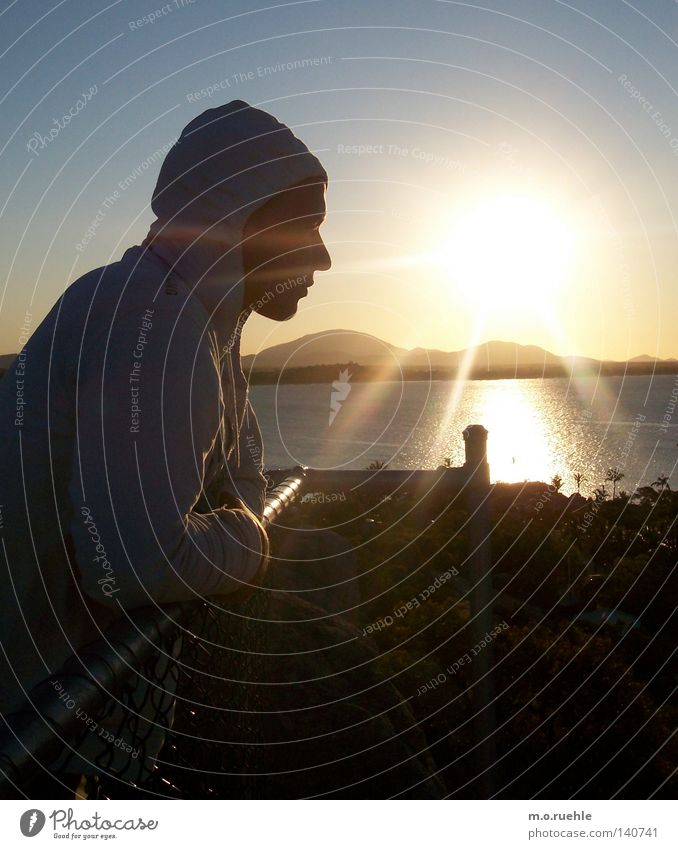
x=331 y=347
x=327 y=348
x=313 y=359
x=342 y=346
x=645 y=358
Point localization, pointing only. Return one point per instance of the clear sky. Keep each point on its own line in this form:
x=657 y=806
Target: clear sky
x=499 y=170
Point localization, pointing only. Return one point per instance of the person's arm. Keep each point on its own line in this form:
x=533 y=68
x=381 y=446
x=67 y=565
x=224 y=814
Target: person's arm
x=244 y=487
x=244 y=475
x=143 y=435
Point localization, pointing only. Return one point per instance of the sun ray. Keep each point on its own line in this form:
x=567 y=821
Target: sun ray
x=391 y=262
x=457 y=386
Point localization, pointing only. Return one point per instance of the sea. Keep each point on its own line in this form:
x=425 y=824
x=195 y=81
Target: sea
x=536 y=428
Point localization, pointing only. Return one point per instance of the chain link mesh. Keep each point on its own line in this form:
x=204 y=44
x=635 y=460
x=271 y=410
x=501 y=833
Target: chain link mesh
x=172 y=707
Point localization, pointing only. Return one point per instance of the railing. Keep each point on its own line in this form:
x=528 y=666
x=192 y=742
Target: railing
x=193 y=667
x=116 y=681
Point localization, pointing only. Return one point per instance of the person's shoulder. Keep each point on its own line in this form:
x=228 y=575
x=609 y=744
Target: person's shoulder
x=133 y=279
x=131 y=288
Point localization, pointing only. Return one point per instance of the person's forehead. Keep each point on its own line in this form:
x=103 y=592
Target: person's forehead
x=308 y=195
x=306 y=199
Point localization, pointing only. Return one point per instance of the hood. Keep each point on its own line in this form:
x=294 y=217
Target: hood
x=227 y=162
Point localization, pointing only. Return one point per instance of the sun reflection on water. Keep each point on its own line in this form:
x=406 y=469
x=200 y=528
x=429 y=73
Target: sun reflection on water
x=519 y=418
x=519 y=448
x=536 y=428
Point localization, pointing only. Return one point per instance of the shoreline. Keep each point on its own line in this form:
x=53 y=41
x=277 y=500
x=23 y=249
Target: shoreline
x=321 y=375
x=324 y=374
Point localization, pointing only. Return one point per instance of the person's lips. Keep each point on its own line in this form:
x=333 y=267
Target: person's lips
x=305 y=284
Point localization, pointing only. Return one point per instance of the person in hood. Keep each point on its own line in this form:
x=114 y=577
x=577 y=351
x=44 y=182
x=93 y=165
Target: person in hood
x=132 y=473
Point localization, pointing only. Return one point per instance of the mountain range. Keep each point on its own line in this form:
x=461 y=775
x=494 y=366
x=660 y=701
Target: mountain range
x=339 y=347
x=331 y=347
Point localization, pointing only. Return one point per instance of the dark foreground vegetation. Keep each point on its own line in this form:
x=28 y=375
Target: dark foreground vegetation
x=584 y=641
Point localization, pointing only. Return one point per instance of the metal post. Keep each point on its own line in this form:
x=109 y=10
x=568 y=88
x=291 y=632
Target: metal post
x=477 y=499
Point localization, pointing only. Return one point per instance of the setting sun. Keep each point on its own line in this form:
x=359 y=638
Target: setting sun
x=509 y=252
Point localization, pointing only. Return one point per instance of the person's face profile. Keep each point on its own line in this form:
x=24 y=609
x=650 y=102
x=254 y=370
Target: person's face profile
x=282 y=249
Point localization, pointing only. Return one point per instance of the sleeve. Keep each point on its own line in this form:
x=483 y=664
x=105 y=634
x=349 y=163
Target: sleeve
x=244 y=476
x=148 y=408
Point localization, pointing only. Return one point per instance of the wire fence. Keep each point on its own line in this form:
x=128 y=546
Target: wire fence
x=175 y=702
x=179 y=681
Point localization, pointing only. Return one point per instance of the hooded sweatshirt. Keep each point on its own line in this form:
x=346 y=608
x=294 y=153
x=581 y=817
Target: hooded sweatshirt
x=125 y=420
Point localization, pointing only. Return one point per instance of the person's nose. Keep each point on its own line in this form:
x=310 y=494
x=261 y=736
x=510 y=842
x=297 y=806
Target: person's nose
x=321 y=257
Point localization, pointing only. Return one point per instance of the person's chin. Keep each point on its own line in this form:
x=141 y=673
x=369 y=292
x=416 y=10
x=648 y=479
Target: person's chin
x=281 y=312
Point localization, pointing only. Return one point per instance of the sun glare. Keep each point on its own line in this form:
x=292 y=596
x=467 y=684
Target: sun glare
x=509 y=253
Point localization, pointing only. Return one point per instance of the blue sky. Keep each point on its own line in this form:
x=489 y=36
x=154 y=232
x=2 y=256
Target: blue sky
x=572 y=103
